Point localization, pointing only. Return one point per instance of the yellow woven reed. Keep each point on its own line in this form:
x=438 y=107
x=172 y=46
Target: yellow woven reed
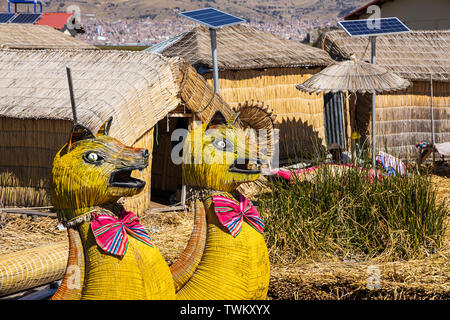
x=110 y=278
x=33 y=267
x=230 y=268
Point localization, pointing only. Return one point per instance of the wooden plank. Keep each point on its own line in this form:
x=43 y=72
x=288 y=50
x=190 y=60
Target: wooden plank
x=28 y=212
x=167 y=209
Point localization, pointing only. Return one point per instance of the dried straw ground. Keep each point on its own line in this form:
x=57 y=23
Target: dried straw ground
x=417 y=279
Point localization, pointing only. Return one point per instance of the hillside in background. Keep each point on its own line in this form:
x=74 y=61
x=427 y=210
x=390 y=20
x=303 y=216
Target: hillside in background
x=252 y=10
x=146 y=22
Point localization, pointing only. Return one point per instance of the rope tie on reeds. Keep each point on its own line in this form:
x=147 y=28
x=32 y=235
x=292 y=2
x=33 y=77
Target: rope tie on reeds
x=203 y=193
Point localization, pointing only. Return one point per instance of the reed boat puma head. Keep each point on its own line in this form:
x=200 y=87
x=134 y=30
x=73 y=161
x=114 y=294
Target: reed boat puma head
x=219 y=156
x=92 y=170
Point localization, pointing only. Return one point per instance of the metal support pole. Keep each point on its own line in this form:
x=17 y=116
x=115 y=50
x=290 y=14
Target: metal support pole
x=374 y=128
x=432 y=115
x=214 y=59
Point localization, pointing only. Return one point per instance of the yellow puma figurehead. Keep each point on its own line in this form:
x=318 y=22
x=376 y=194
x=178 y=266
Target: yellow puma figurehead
x=90 y=173
x=226 y=257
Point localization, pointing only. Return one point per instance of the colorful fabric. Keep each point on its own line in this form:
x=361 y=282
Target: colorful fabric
x=111 y=234
x=422 y=145
x=391 y=164
x=231 y=214
x=287 y=174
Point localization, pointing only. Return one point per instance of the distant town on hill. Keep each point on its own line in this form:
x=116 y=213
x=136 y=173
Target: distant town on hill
x=147 y=22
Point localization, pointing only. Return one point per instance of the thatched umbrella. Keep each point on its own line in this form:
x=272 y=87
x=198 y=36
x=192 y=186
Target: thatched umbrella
x=355 y=76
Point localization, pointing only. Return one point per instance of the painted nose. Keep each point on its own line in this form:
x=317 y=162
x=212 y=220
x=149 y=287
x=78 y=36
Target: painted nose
x=145 y=153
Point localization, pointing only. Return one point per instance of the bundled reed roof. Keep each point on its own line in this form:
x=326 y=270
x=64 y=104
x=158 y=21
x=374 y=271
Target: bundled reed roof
x=30 y=36
x=353 y=76
x=412 y=55
x=137 y=89
x=241 y=47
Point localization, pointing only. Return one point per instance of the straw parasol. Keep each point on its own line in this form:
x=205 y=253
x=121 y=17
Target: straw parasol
x=354 y=76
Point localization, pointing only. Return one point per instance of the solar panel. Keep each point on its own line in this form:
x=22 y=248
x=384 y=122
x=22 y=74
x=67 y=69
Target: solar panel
x=373 y=27
x=25 y=18
x=5 y=17
x=211 y=17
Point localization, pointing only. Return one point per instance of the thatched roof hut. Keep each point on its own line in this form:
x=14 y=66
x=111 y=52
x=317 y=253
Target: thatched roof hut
x=30 y=36
x=137 y=88
x=258 y=65
x=403 y=117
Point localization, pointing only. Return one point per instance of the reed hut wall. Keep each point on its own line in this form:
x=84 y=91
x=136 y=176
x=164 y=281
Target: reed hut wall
x=299 y=115
x=404 y=117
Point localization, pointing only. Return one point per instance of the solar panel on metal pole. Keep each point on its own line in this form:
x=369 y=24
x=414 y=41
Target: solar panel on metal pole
x=6 y=17
x=373 y=28
x=213 y=19
x=25 y=18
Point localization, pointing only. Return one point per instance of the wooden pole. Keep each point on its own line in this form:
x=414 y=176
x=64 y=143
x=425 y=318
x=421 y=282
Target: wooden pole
x=72 y=97
x=374 y=128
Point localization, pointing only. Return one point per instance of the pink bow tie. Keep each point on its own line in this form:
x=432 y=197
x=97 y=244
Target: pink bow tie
x=231 y=214
x=111 y=233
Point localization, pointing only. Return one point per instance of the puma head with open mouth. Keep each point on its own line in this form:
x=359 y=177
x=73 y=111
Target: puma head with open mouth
x=91 y=170
x=218 y=155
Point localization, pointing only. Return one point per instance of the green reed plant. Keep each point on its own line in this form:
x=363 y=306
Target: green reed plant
x=348 y=213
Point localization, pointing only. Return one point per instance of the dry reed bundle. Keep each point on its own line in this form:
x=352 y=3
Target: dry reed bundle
x=32 y=267
x=30 y=36
x=198 y=96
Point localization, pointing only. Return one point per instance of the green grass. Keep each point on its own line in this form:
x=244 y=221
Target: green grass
x=346 y=215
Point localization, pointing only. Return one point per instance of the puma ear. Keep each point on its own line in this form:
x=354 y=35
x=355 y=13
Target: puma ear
x=217 y=119
x=104 y=129
x=79 y=132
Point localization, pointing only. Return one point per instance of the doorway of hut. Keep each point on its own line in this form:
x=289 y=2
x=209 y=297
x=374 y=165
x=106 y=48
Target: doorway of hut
x=166 y=181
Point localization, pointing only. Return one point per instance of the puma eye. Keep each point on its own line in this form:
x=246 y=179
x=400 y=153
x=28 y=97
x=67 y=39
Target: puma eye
x=222 y=145
x=92 y=157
